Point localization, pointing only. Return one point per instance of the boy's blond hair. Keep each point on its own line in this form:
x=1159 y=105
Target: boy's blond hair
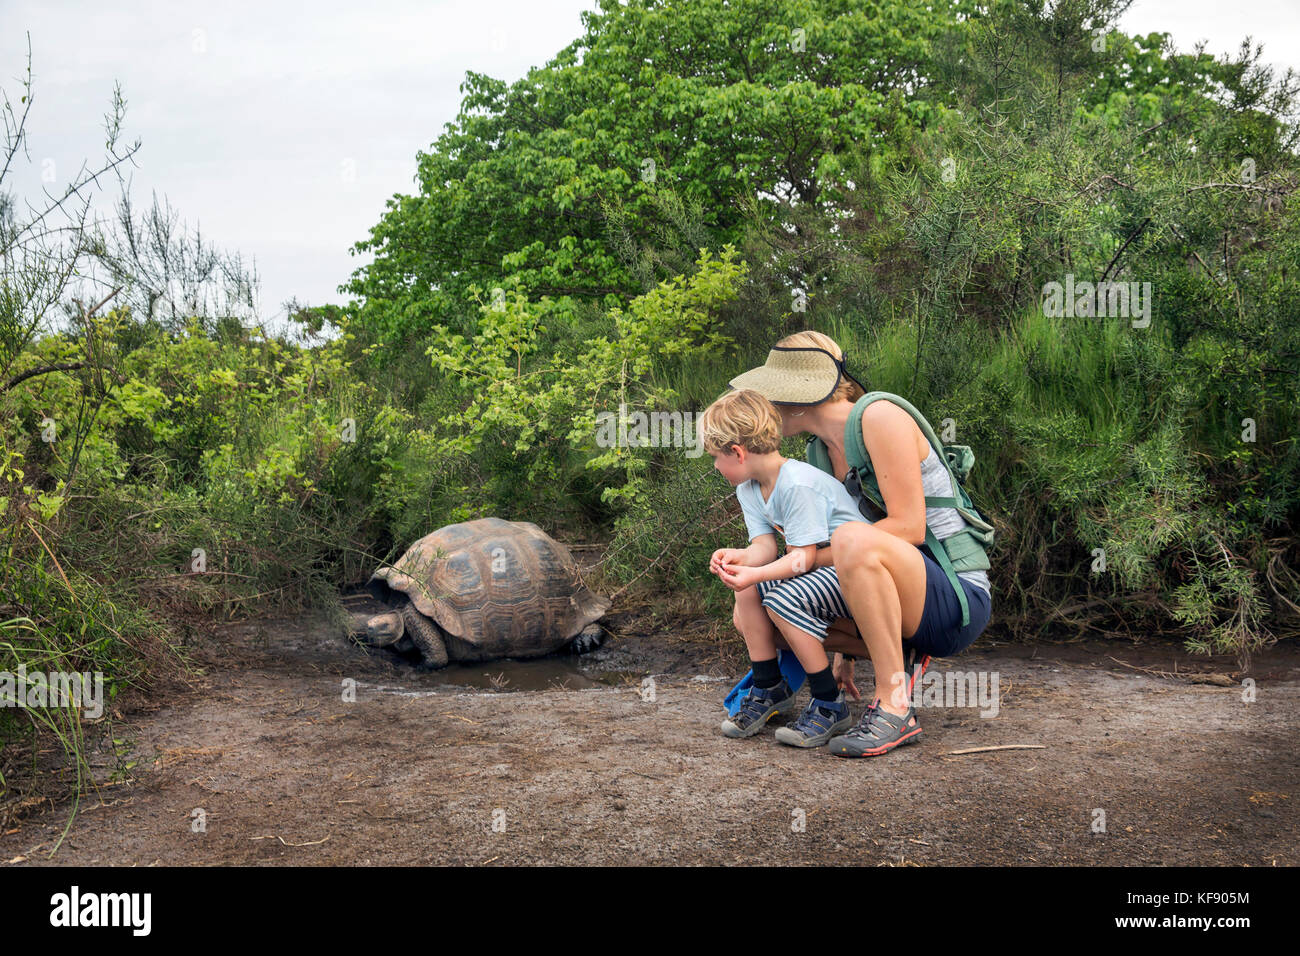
x=741 y=417
x=847 y=389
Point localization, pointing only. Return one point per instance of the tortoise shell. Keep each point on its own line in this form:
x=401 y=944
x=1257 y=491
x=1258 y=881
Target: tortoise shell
x=497 y=588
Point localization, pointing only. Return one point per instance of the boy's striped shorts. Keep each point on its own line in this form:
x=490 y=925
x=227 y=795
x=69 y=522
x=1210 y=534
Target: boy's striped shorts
x=811 y=602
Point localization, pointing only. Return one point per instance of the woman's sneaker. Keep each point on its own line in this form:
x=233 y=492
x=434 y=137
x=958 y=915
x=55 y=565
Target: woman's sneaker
x=877 y=732
x=758 y=707
x=915 y=664
x=820 y=721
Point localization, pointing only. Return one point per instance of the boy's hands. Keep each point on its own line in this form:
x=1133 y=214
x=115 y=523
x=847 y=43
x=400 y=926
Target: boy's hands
x=726 y=564
x=738 y=576
x=725 y=556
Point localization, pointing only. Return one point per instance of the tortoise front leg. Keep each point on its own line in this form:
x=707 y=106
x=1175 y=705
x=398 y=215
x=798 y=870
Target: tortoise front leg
x=589 y=638
x=426 y=636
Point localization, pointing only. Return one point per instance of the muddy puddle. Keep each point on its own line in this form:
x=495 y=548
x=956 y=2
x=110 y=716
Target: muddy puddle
x=319 y=644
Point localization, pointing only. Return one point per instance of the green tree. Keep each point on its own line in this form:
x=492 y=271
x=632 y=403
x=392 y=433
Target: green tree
x=713 y=99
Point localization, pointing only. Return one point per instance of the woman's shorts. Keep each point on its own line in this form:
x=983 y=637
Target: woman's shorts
x=940 y=633
x=813 y=602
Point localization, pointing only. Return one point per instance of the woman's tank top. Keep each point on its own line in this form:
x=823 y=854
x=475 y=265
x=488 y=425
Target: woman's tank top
x=945 y=522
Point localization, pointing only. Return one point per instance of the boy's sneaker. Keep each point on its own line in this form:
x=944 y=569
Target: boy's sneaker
x=758 y=707
x=877 y=732
x=820 y=721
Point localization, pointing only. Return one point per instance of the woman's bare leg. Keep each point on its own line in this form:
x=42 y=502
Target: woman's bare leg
x=882 y=578
x=842 y=637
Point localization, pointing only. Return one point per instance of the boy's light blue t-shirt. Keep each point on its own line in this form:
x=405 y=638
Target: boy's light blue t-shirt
x=806 y=505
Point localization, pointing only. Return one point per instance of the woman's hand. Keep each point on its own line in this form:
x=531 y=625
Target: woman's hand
x=738 y=576
x=725 y=556
x=842 y=669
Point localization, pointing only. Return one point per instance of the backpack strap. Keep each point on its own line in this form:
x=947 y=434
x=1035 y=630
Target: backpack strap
x=855 y=450
x=817 y=455
x=859 y=447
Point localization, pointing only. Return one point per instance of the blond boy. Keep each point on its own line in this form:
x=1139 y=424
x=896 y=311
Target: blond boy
x=742 y=432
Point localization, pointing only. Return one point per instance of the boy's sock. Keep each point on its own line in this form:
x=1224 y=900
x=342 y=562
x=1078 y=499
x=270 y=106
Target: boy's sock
x=822 y=684
x=767 y=674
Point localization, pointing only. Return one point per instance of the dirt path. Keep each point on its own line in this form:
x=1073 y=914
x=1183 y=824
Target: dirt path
x=286 y=771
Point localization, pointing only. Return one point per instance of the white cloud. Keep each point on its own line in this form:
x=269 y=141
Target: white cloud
x=1274 y=23
x=246 y=124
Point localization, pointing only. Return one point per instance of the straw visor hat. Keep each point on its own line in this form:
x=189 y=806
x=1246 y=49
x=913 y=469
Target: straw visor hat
x=796 y=376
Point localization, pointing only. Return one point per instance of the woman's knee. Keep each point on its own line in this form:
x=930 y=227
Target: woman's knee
x=855 y=544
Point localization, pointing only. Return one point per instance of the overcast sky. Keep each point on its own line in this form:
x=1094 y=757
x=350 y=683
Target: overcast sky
x=282 y=129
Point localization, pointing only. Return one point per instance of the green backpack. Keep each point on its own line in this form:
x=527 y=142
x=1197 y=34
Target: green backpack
x=964 y=551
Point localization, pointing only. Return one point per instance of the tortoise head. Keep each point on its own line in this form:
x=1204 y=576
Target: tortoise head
x=385 y=629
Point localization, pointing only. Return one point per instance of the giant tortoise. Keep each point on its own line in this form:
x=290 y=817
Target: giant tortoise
x=485 y=589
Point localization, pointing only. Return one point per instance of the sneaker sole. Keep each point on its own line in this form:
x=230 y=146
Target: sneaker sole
x=788 y=735
x=847 y=750
x=735 y=733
